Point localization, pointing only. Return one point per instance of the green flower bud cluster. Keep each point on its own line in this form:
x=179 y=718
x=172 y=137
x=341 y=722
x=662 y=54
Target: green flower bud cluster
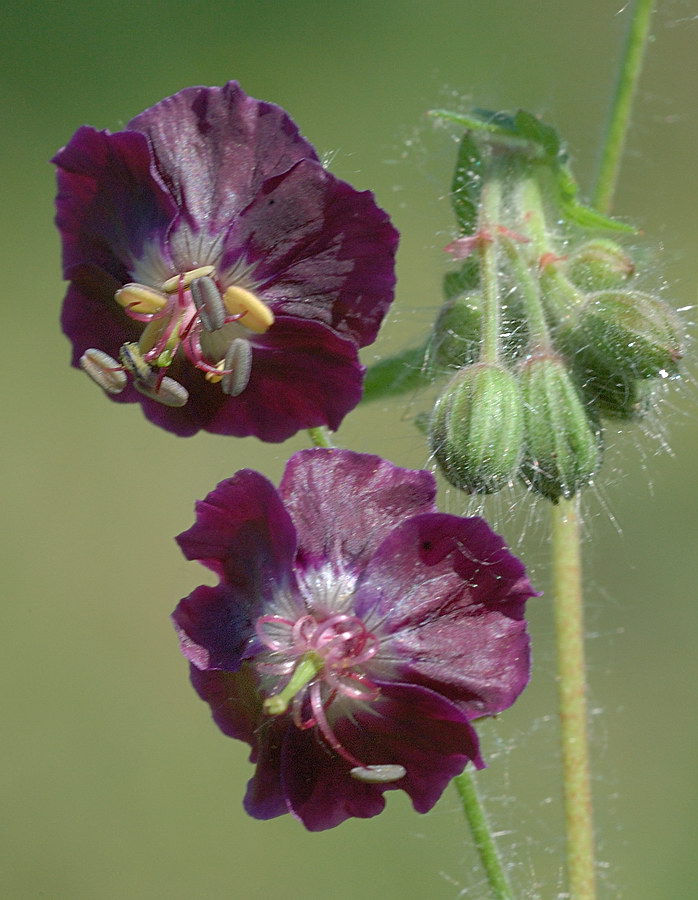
x=543 y=331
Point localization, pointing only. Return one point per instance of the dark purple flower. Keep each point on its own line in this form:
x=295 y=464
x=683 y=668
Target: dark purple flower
x=218 y=273
x=355 y=633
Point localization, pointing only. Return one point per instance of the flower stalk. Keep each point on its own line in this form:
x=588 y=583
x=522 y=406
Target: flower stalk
x=567 y=550
x=569 y=632
x=482 y=837
x=619 y=117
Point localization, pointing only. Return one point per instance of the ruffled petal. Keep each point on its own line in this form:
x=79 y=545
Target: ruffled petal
x=90 y=318
x=111 y=203
x=318 y=249
x=408 y=726
x=452 y=597
x=214 y=625
x=344 y=504
x=234 y=700
x=303 y=376
x=214 y=147
x=245 y=535
x=237 y=710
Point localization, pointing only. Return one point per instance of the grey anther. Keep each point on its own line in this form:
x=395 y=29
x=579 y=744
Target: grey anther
x=238 y=363
x=208 y=302
x=168 y=391
x=104 y=371
x=378 y=774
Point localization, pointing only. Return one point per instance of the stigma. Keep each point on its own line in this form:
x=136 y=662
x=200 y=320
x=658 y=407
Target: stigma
x=190 y=317
x=319 y=661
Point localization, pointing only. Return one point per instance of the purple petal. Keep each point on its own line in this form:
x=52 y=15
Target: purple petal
x=214 y=625
x=303 y=376
x=111 y=202
x=237 y=710
x=91 y=318
x=452 y=597
x=343 y=504
x=320 y=250
x=408 y=726
x=243 y=533
x=214 y=147
x=235 y=703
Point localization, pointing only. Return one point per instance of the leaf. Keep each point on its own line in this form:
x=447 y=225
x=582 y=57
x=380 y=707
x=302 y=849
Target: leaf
x=467 y=184
x=408 y=371
x=542 y=141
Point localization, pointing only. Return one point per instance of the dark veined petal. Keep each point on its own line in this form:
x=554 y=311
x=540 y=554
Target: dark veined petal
x=244 y=534
x=452 y=597
x=319 y=249
x=111 y=202
x=236 y=708
x=214 y=147
x=343 y=504
x=409 y=726
x=236 y=705
x=303 y=375
x=215 y=624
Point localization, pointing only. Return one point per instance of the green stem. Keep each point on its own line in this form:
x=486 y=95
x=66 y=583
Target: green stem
x=489 y=219
x=484 y=842
x=567 y=565
x=539 y=335
x=569 y=628
x=619 y=117
x=321 y=437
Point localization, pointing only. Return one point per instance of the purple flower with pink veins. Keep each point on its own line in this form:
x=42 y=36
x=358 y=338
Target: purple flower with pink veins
x=219 y=275
x=355 y=635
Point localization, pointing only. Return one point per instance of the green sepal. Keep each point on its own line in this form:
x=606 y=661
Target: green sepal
x=476 y=431
x=563 y=443
x=407 y=371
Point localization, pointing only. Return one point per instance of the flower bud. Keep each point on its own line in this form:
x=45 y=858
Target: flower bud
x=476 y=429
x=562 y=446
x=634 y=332
x=599 y=264
x=455 y=340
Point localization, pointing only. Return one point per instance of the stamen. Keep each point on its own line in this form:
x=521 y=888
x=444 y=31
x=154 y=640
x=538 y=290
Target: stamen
x=237 y=366
x=258 y=317
x=133 y=362
x=165 y=390
x=216 y=377
x=208 y=302
x=139 y=298
x=104 y=371
x=378 y=774
x=185 y=279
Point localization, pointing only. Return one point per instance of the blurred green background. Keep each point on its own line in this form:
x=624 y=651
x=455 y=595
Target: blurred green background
x=115 y=783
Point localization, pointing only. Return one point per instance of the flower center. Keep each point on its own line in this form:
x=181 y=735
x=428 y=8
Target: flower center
x=192 y=315
x=317 y=661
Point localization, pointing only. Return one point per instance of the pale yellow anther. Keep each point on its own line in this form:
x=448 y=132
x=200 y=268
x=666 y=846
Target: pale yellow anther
x=258 y=317
x=212 y=377
x=172 y=284
x=140 y=299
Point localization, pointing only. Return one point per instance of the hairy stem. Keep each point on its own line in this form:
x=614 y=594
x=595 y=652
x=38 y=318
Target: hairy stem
x=619 y=116
x=569 y=629
x=567 y=564
x=484 y=842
